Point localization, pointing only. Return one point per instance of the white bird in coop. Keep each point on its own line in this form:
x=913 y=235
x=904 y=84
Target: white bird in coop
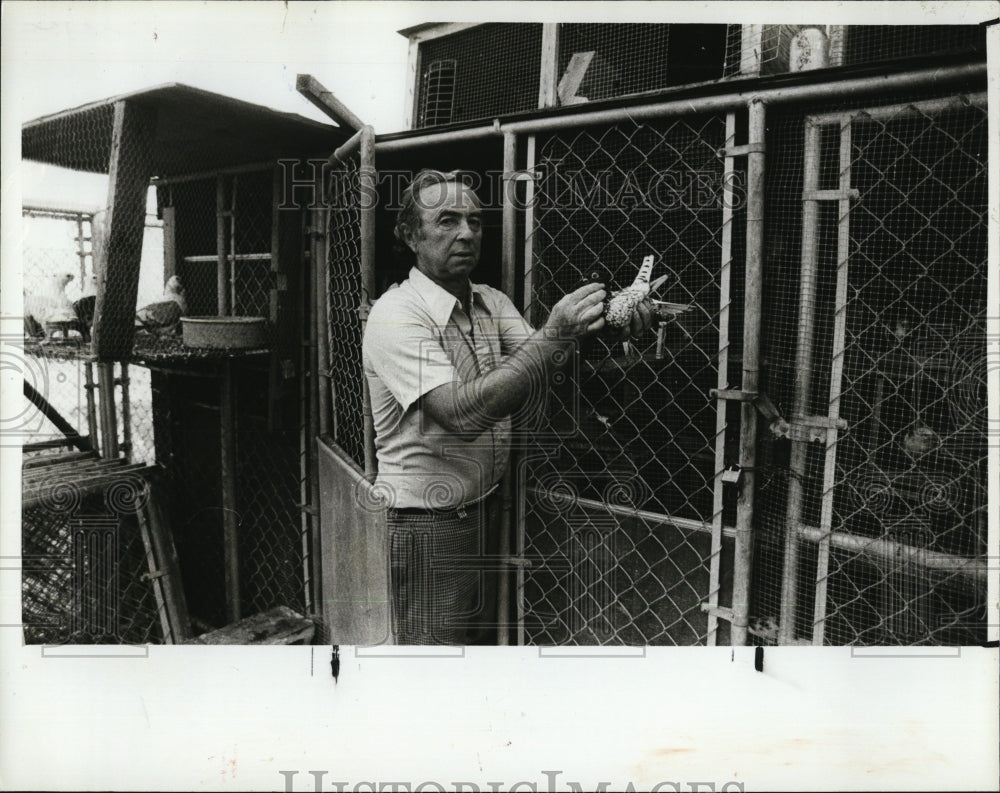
x=49 y=309
x=163 y=317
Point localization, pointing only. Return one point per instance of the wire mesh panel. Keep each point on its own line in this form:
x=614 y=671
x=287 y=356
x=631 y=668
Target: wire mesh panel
x=874 y=514
x=344 y=308
x=476 y=73
x=85 y=573
x=774 y=49
x=619 y=502
x=631 y=58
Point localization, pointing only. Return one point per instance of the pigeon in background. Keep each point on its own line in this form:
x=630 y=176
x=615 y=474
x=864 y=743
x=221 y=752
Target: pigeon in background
x=84 y=307
x=49 y=309
x=920 y=441
x=163 y=317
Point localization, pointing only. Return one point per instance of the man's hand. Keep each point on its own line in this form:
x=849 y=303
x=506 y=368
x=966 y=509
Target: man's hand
x=643 y=319
x=579 y=313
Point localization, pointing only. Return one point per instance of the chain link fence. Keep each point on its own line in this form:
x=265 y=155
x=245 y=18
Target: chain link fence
x=344 y=375
x=167 y=413
x=619 y=508
x=871 y=513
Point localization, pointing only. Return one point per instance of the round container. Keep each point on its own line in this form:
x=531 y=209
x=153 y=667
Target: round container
x=224 y=333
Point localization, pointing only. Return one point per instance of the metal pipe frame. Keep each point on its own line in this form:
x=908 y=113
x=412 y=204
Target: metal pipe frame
x=908 y=110
x=368 y=184
x=892 y=553
x=321 y=340
x=507 y=281
x=803 y=382
x=743 y=548
x=837 y=371
x=230 y=534
x=715 y=563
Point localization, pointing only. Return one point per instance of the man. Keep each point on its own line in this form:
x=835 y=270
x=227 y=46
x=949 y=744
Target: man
x=448 y=361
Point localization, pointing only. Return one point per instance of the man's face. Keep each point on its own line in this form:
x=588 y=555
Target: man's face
x=447 y=242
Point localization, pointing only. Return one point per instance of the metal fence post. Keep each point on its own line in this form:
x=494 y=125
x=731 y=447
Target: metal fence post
x=743 y=550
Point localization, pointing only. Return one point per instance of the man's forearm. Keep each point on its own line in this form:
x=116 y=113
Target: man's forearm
x=470 y=408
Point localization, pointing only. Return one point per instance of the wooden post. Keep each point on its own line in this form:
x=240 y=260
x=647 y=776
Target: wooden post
x=549 y=80
x=230 y=526
x=368 y=184
x=313 y=90
x=126 y=413
x=169 y=242
x=803 y=383
x=81 y=251
x=743 y=546
x=92 y=426
x=128 y=180
x=109 y=419
x=84 y=444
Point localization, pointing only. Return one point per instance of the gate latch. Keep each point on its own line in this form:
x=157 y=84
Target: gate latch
x=778 y=425
x=808 y=429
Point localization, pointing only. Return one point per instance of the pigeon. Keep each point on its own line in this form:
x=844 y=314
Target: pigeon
x=84 y=308
x=163 y=317
x=920 y=441
x=49 y=309
x=621 y=306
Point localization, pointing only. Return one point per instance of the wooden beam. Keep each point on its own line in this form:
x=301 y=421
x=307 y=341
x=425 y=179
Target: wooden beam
x=549 y=80
x=313 y=90
x=118 y=266
x=72 y=435
x=169 y=242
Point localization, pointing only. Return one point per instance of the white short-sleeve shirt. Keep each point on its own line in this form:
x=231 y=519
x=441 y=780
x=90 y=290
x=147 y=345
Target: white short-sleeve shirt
x=418 y=337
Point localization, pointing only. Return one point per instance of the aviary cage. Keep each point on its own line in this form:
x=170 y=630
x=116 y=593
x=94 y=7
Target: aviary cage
x=219 y=432
x=798 y=458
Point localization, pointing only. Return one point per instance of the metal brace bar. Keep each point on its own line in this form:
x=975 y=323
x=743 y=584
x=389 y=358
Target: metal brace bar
x=760 y=401
x=812 y=428
x=740 y=151
x=516 y=561
x=831 y=195
x=720 y=611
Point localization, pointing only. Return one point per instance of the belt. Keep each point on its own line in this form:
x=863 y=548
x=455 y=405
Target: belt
x=461 y=511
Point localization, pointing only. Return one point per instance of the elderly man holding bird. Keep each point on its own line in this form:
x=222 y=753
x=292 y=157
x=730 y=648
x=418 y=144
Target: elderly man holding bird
x=448 y=362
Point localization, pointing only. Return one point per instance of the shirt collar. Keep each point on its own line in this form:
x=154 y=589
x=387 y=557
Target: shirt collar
x=439 y=300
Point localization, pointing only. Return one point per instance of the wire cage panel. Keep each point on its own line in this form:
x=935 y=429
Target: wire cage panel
x=879 y=533
x=637 y=429
x=85 y=576
x=487 y=70
x=632 y=58
x=345 y=376
x=776 y=49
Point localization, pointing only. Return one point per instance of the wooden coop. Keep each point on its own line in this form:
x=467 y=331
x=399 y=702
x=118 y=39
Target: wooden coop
x=800 y=456
x=205 y=422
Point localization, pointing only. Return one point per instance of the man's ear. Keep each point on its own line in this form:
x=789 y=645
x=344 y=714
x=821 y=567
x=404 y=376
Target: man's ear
x=409 y=237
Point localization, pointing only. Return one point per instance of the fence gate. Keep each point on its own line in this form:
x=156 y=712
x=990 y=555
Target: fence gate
x=627 y=492
x=885 y=522
x=353 y=546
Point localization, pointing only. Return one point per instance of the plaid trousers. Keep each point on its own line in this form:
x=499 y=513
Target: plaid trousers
x=443 y=572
